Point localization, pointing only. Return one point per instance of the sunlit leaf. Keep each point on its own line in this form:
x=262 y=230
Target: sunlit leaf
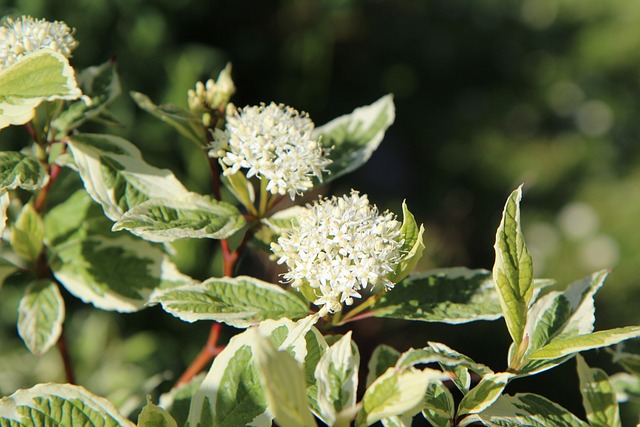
x=337 y=378
x=283 y=382
x=20 y=171
x=116 y=176
x=513 y=270
x=240 y=301
x=525 y=409
x=354 y=137
x=412 y=247
x=27 y=233
x=456 y=295
x=598 y=396
x=484 y=393
x=154 y=416
x=40 y=76
x=40 y=316
x=59 y=405
x=193 y=216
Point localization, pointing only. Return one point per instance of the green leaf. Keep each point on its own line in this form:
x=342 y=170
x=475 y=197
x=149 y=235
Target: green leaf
x=59 y=405
x=240 y=301
x=27 y=234
x=484 y=393
x=6 y=270
x=382 y=358
x=513 y=270
x=20 y=171
x=282 y=379
x=412 y=247
x=561 y=347
x=598 y=396
x=455 y=295
x=241 y=188
x=231 y=394
x=102 y=85
x=178 y=399
x=455 y=363
x=40 y=76
x=525 y=409
x=560 y=315
x=185 y=122
x=626 y=357
x=396 y=392
x=154 y=416
x=116 y=176
x=439 y=407
x=354 y=137
x=626 y=387
x=316 y=345
x=337 y=379
x=194 y=216
x=40 y=316
x=118 y=273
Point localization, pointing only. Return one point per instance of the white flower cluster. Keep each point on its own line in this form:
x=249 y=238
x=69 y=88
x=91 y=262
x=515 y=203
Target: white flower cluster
x=341 y=245
x=274 y=142
x=21 y=36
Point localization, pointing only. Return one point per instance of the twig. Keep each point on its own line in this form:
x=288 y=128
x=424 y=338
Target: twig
x=208 y=352
x=66 y=359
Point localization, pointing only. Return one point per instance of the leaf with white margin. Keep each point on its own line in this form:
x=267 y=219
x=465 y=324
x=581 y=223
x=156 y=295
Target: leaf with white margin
x=116 y=176
x=598 y=396
x=282 y=379
x=44 y=75
x=354 y=137
x=231 y=393
x=451 y=361
x=193 y=216
x=240 y=301
x=177 y=400
x=567 y=346
x=155 y=416
x=525 y=409
x=40 y=316
x=20 y=171
x=118 y=273
x=487 y=391
x=626 y=387
x=560 y=315
x=337 y=378
x=448 y=295
x=60 y=405
x=102 y=85
x=412 y=247
x=439 y=407
x=513 y=270
x=396 y=392
x=27 y=233
x=382 y=358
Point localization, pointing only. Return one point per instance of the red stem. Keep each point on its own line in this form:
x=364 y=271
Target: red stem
x=66 y=359
x=209 y=351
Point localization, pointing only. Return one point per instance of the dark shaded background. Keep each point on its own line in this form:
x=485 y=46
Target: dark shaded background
x=489 y=94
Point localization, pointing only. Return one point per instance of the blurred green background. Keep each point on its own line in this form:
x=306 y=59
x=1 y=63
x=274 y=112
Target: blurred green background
x=489 y=94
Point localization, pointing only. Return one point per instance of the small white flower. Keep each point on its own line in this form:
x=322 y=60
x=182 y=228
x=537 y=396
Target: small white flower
x=24 y=35
x=340 y=246
x=274 y=142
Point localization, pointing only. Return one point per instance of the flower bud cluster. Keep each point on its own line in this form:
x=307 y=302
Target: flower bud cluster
x=340 y=246
x=24 y=35
x=274 y=142
x=212 y=94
